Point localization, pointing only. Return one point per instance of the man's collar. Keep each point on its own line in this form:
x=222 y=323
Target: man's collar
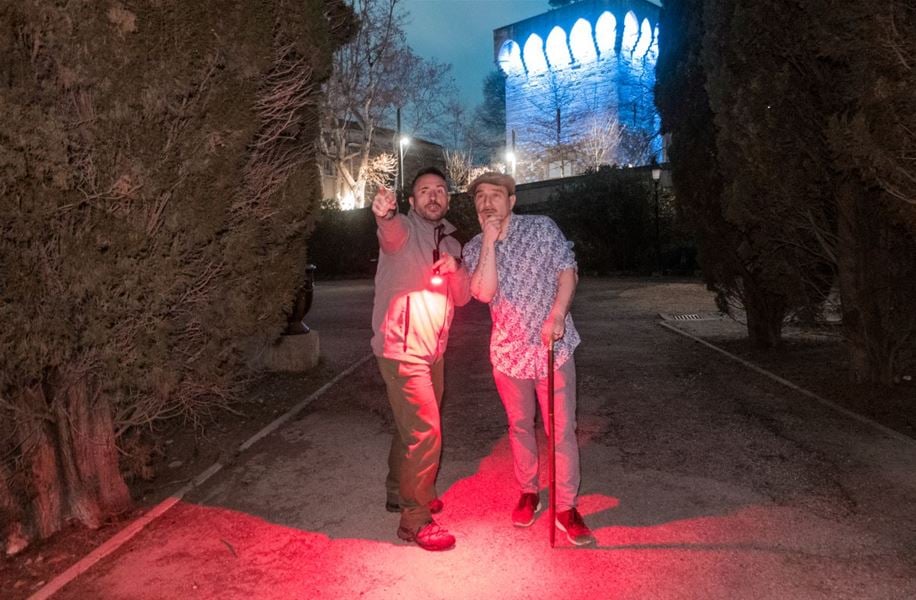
x=430 y=225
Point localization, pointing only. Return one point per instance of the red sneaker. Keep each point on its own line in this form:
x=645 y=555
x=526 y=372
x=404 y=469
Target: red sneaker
x=430 y=537
x=523 y=513
x=570 y=522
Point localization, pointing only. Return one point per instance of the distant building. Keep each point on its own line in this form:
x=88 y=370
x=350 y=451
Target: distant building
x=579 y=88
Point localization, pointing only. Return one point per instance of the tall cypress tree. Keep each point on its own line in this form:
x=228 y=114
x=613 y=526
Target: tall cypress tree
x=872 y=136
x=488 y=135
x=158 y=179
x=732 y=143
x=766 y=91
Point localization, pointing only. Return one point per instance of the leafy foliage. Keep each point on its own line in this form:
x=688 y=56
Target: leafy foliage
x=158 y=179
x=871 y=133
x=791 y=149
x=487 y=136
x=875 y=135
x=343 y=243
x=769 y=113
x=687 y=119
x=376 y=74
x=609 y=215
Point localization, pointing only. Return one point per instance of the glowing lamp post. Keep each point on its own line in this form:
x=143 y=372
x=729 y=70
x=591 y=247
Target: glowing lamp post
x=511 y=162
x=402 y=145
x=656 y=175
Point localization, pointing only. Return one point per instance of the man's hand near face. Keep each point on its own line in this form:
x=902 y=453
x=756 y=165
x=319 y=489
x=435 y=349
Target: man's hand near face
x=491 y=226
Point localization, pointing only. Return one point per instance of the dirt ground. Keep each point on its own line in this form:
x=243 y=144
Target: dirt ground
x=182 y=453
x=809 y=359
x=819 y=365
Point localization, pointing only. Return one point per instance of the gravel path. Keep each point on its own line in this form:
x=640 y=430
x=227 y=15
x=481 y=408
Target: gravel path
x=701 y=479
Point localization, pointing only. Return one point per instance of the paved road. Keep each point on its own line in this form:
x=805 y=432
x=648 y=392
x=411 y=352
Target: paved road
x=700 y=478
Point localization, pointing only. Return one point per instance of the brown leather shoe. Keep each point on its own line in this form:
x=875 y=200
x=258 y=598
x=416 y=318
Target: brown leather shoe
x=430 y=537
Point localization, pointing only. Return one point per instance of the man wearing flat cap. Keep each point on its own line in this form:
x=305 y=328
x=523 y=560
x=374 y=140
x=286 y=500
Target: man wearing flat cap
x=525 y=269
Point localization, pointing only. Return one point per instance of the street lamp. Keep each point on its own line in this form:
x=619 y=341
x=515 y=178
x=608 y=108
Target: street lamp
x=402 y=144
x=511 y=156
x=511 y=160
x=656 y=175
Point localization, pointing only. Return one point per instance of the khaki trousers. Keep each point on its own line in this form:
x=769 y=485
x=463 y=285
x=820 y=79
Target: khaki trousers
x=521 y=398
x=415 y=395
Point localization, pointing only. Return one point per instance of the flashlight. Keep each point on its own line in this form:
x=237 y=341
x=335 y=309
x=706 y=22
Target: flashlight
x=436 y=279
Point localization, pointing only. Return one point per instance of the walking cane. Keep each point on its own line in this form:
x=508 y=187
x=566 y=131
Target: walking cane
x=551 y=448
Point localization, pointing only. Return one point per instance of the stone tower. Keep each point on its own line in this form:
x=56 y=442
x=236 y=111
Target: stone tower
x=579 y=88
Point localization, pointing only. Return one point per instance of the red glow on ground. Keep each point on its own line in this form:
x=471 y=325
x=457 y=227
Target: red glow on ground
x=212 y=552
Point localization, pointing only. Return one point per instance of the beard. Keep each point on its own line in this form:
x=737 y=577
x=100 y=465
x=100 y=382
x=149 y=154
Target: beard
x=432 y=211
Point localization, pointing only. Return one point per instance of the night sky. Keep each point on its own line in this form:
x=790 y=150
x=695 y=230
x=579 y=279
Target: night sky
x=460 y=32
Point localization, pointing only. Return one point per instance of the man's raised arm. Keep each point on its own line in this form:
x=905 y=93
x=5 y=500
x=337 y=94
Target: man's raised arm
x=392 y=231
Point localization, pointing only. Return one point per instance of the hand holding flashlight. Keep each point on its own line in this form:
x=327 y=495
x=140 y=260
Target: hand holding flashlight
x=384 y=205
x=446 y=265
x=436 y=279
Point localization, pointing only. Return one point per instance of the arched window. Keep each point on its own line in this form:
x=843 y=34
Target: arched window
x=557 y=50
x=630 y=34
x=580 y=41
x=645 y=40
x=606 y=34
x=653 y=49
x=535 y=62
x=510 y=58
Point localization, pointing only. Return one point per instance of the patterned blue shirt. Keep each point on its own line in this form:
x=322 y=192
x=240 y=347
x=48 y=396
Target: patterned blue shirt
x=528 y=264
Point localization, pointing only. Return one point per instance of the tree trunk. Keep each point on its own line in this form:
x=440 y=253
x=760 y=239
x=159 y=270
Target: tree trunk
x=96 y=452
x=851 y=286
x=82 y=504
x=12 y=535
x=42 y=469
x=70 y=465
x=876 y=287
x=765 y=314
x=851 y=267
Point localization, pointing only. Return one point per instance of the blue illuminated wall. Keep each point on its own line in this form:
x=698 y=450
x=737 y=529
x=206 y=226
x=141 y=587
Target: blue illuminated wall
x=575 y=74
